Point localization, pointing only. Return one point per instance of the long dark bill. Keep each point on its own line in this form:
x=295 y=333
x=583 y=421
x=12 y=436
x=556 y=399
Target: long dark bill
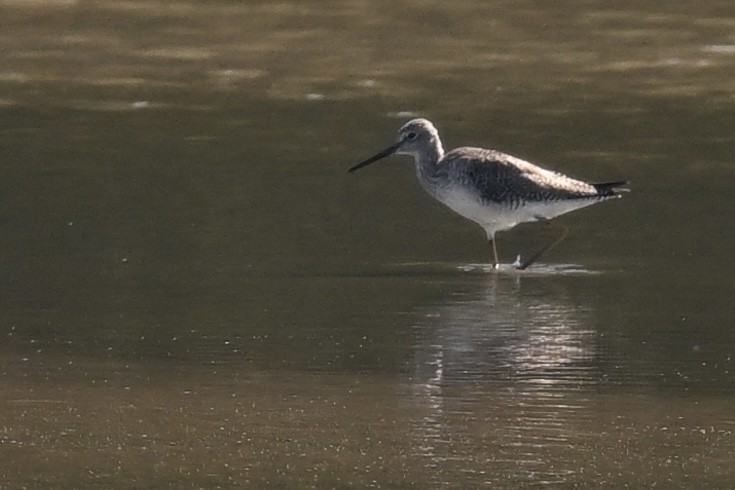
x=387 y=152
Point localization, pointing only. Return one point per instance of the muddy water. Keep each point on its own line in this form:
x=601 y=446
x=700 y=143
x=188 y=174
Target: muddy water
x=193 y=292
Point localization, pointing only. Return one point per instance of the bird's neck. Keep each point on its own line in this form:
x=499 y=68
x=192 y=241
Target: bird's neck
x=427 y=168
x=427 y=160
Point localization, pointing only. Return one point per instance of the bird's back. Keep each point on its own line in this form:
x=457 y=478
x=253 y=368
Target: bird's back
x=503 y=179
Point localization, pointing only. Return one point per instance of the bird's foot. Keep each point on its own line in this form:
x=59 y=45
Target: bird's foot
x=518 y=262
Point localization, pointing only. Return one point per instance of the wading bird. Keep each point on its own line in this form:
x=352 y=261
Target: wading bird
x=495 y=190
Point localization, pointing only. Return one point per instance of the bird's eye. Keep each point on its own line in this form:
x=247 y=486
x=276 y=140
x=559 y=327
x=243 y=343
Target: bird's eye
x=411 y=135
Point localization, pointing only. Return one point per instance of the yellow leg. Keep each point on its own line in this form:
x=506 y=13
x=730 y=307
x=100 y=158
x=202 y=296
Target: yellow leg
x=533 y=258
x=496 y=263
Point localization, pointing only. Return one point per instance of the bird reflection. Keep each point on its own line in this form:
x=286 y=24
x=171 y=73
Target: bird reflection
x=507 y=363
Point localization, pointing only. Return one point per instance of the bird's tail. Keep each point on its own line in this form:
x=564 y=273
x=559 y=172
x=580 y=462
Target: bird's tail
x=611 y=188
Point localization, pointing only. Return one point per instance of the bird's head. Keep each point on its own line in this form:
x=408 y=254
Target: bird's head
x=415 y=138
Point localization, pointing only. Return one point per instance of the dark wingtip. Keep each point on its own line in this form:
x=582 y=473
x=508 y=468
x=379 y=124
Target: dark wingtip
x=611 y=188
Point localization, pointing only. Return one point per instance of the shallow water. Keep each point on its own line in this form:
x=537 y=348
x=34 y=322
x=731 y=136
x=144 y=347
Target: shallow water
x=195 y=293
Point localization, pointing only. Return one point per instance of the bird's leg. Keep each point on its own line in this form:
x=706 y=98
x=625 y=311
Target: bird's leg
x=496 y=264
x=533 y=258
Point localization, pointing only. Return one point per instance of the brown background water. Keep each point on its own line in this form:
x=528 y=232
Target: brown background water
x=193 y=292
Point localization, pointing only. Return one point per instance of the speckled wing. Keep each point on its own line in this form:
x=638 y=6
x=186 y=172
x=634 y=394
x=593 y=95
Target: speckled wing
x=502 y=178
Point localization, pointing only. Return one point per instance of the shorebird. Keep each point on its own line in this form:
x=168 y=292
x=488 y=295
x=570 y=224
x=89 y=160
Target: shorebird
x=493 y=189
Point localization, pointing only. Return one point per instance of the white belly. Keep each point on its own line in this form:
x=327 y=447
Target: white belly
x=495 y=217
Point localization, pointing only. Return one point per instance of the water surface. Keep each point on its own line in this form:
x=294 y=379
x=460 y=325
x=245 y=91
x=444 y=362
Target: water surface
x=194 y=293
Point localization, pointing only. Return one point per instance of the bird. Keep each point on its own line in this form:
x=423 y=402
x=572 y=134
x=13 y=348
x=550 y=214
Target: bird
x=495 y=190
